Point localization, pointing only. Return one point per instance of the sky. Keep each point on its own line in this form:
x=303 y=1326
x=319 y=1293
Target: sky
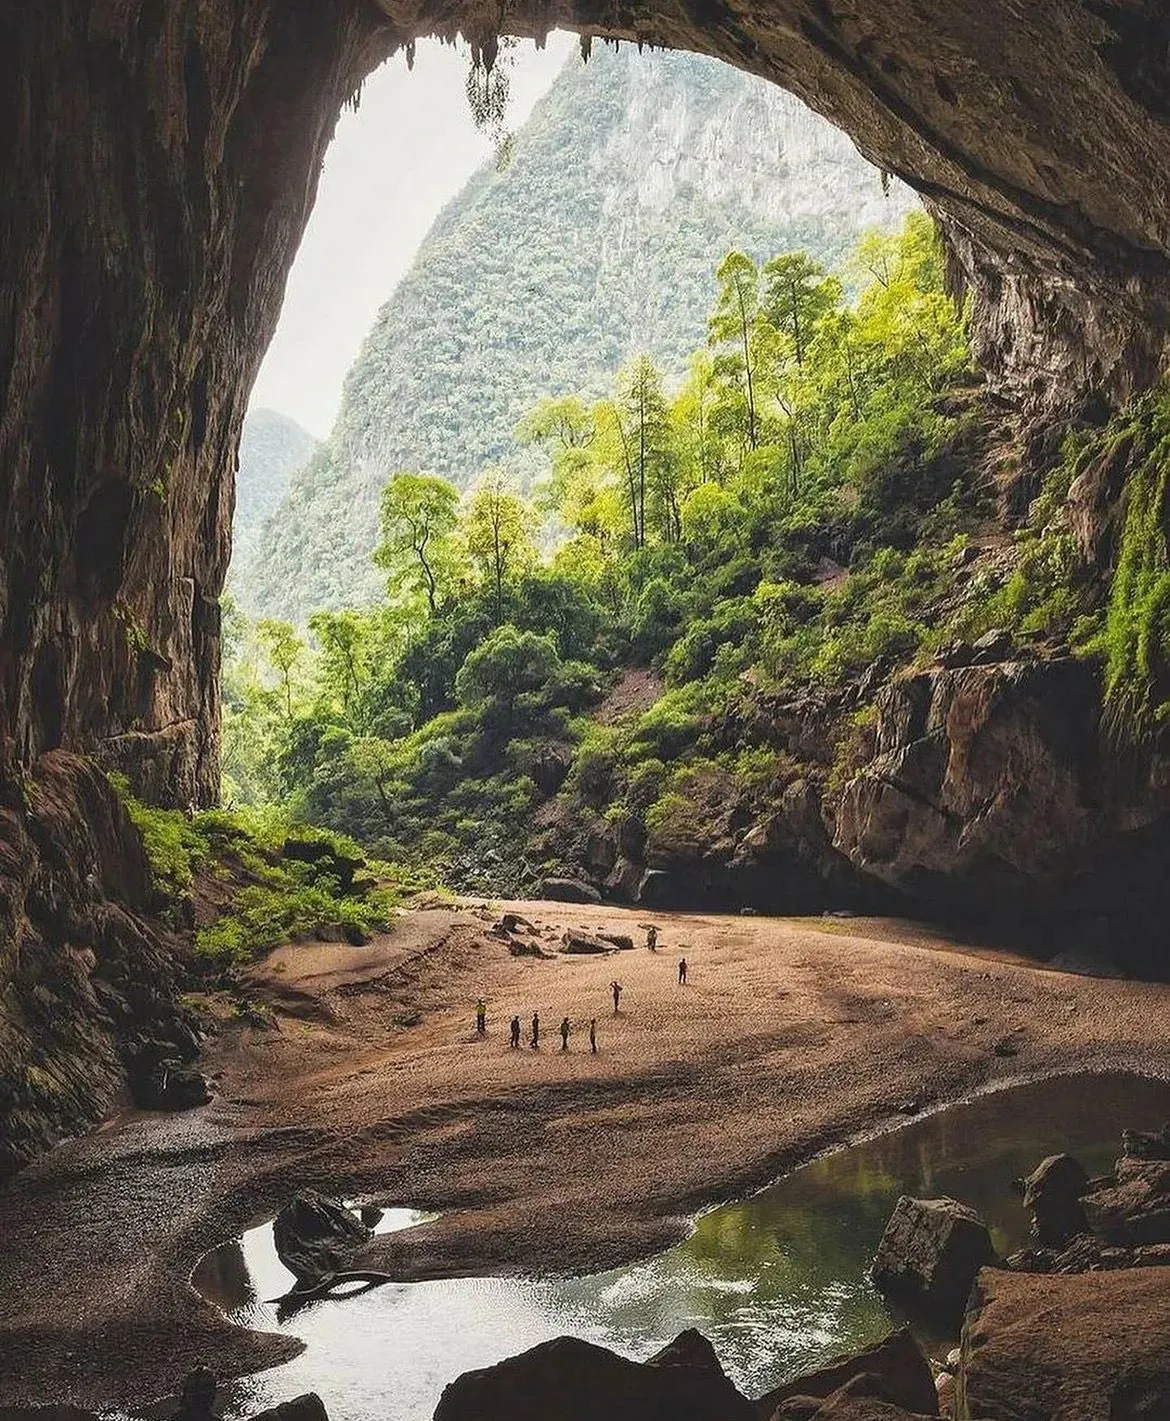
x=392 y=166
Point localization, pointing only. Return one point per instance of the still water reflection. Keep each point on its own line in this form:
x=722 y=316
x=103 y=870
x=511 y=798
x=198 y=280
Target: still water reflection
x=778 y=1281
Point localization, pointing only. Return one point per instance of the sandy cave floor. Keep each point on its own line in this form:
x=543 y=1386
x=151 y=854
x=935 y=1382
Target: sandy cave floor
x=791 y=1036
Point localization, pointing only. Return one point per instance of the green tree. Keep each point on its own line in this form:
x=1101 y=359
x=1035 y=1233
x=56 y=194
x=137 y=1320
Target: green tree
x=419 y=516
x=797 y=295
x=284 y=650
x=497 y=527
x=733 y=323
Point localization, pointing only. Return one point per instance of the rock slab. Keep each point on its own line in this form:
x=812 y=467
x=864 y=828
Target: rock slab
x=930 y=1253
x=1085 y=1347
x=571 y=1380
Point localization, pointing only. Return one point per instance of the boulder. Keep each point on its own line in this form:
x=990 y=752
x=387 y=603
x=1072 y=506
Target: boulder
x=1052 y=1196
x=527 y=949
x=584 y=944
x=896 y=1363
x=930 y=1253
x=622 y=941
x=316 y=1236
x=1135 y=1209
x=862 y=1398
x=515 y=923
x=309 y=1407
x=571 y=1380
x=569 y=890
x=1081 y=1347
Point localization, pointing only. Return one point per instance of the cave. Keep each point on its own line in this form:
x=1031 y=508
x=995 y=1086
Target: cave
x=162 y=163
x=163 y=158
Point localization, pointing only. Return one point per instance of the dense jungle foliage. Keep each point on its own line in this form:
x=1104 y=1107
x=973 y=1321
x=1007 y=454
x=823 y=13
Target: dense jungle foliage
x=788 y=515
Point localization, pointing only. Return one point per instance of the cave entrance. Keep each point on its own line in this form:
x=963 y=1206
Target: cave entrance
x=162 y=162
x=582 y=229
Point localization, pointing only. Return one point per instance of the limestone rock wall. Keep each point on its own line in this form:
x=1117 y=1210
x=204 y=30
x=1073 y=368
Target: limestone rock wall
x=160 y=161
x=995 y=791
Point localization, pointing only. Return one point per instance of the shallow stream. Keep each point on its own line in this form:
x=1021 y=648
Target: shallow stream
x=778 y=1281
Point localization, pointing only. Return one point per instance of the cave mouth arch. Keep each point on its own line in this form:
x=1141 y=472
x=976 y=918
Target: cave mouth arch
x=163 y=160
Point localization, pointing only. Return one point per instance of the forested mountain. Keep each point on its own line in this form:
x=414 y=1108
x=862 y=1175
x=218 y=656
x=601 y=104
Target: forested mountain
x=272 y=448
x=595 y=242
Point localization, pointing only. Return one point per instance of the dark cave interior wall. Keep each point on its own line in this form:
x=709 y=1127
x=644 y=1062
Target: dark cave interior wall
x=160 y=163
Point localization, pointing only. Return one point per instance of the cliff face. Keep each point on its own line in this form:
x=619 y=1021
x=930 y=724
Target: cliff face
x=994 y=792
x=596 y=242
x=160 y=161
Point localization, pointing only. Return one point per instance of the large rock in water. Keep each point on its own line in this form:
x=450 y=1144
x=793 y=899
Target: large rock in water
x=1081 y=1347
x=1052 y=1196
x=930 y=1253
x=899 y=1374
x=317 y=1236
x=571 y=1380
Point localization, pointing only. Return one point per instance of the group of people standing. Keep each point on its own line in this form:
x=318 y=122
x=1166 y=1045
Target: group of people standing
x=566 y=1026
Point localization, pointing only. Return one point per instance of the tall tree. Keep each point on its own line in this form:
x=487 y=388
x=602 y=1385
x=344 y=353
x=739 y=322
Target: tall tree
x=797 y=294
x=733 y=322
x=284 y=649
x=419 y=516
x=497 y=527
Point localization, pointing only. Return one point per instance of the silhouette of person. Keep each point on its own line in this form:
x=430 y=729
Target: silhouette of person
x=565 y=1034
x=616 y=989
x=652 y=938
x=682 y=971
x=593 y=1034
x=535 y=1031
x=481 y=1017
x=515 y=1033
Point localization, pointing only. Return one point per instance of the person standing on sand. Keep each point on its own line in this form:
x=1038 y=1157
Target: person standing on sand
x=515 y=1033
x=652 y=938
x=481 y=1017
x=616 y=989
x=682 y=971
x=593 y=1034
x=565 y=1034
x=535 y=1031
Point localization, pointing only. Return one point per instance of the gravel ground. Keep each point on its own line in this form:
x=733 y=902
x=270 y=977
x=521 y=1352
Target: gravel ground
x=790 y=1037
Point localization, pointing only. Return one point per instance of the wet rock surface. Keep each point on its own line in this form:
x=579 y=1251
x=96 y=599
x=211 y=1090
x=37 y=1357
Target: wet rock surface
x=930 y=1253
x=578 y=1381
x=316 y=1237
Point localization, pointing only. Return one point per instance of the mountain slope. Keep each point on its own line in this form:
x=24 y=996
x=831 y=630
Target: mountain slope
x=627 y=184
x=272 y=448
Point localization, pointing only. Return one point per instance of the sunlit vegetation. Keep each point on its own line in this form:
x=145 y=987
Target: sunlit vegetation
x=785 y=516
x=264 y=888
